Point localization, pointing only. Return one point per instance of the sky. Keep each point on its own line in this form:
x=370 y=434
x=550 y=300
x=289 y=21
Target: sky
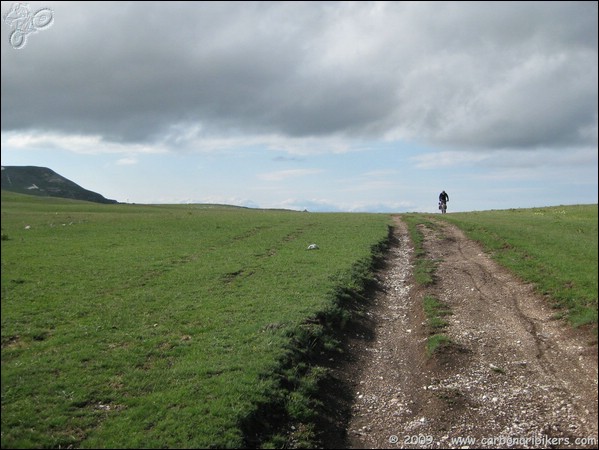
x=324 y=106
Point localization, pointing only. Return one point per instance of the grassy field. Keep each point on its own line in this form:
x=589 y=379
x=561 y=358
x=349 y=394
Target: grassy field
x=193 y=326
x=130 y=326
x=555 y=248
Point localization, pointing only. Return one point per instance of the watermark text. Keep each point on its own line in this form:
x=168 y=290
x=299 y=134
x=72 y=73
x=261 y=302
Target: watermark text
x=541 y=441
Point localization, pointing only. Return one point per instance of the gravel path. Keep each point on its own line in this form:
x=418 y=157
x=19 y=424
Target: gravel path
x=514 y=377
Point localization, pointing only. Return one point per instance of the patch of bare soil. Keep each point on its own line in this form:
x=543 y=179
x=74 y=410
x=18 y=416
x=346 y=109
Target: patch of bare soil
x=514 y=377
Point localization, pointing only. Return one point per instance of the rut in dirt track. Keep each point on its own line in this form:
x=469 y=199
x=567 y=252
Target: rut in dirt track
x=514 y=374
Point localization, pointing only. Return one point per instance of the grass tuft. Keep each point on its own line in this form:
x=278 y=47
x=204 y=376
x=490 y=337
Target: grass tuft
x=435 y=310
x=437 y=343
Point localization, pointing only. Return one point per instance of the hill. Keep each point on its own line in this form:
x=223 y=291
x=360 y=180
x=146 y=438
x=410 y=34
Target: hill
x=41 y=181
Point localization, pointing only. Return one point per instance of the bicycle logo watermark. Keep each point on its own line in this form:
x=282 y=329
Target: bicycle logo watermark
x=25 y=23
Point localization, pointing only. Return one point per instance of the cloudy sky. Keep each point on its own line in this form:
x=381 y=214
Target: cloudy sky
x=325 y=106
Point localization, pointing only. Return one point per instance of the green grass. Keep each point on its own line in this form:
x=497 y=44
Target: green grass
x=424 y=268
x=437 y=343
x=135 y=326
x=198 y=326
x=435 y=311
x=424 y=271
x=555 y=248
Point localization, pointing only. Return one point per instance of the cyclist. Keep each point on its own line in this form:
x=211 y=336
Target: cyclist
x=443 y=199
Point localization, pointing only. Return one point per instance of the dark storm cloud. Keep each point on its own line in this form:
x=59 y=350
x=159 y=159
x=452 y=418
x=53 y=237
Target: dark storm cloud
x=480 y=75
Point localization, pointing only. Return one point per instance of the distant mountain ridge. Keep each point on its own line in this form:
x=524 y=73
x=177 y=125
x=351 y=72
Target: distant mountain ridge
x=41 y=181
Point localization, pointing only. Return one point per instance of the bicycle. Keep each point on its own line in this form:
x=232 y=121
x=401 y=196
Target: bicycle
x=443 y=207
x=26 y=23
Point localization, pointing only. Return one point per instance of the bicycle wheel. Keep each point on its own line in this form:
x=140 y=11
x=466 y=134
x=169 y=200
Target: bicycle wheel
x=43 y=18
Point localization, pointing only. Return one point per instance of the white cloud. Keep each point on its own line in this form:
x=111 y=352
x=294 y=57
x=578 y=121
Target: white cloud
x=503 y=159
x=448 y=159
x=331 y=205
x=130 y=161
x=381 y=173
x=281 y=175
x=80 y=144
x=471 y=75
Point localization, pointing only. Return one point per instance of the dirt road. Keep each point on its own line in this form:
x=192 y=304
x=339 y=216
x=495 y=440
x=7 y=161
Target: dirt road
x=515 y=376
